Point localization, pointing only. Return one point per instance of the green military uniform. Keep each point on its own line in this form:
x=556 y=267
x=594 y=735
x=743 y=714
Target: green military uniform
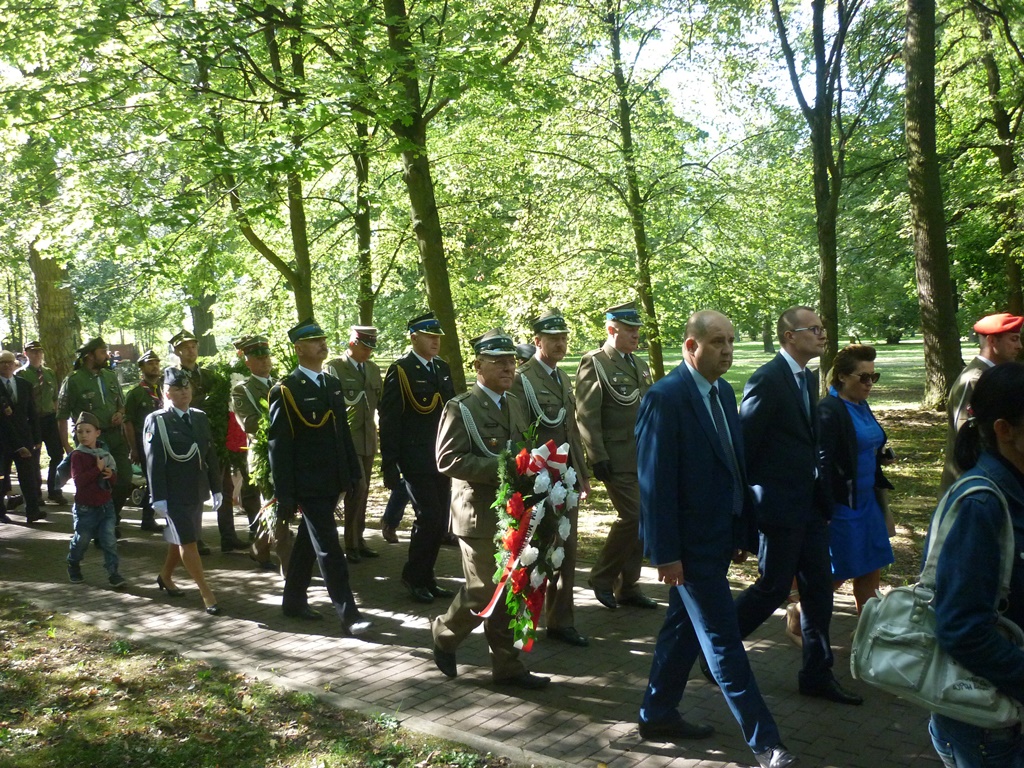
x=142 y=400
x=362 y=385
x=100 y=394
x=44 y=394
x=609 y=387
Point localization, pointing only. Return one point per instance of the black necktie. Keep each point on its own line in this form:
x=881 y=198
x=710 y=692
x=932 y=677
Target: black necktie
x=430 y=366
x=187 y=419
x=630 y=360
x=320 y=380
x=554 y=375
x=723 y=437
x=361 y=370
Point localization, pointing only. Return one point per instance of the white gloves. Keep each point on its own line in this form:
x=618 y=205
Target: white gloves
x=217 y=499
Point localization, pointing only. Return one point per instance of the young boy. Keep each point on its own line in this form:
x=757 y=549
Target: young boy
x=95 y=472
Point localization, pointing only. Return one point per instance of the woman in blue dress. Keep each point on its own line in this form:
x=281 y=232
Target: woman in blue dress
x=851 y=450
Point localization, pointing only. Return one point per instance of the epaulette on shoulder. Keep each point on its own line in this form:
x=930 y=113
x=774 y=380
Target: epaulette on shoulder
x=459 y=398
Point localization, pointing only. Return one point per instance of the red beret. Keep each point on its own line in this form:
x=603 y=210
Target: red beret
x=1001 y=323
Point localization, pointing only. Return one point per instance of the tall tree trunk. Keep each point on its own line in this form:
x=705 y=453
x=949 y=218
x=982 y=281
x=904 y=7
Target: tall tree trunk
x=426 y=223
x=363 y=224
x=634 y=200
x=931 y=257
x=60 y=330
x=202 y=324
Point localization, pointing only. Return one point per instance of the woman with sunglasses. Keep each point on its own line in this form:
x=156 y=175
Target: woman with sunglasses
x=851 y=459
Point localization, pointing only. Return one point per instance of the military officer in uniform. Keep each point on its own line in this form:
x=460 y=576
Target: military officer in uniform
x=361 y=382
x=247 y=398
x=140 y=401
x=210 y=395
x=313 y=462
x=44 y=394
x=476 y=426
x=548 y=394
x=93 y=387
x=416 y=388
x=609 y=385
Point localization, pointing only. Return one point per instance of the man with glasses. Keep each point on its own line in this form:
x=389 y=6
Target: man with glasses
x=999 y=337
x=780 y=431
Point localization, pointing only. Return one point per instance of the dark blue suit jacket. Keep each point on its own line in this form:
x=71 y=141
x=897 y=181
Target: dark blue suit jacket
x=783 y=462
x=685 y=479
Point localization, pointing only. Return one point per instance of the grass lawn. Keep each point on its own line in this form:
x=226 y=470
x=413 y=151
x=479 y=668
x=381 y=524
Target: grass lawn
x=72 y=695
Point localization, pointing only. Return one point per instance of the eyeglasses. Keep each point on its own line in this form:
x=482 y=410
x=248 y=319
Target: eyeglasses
x=817 y=330
x=867 y=377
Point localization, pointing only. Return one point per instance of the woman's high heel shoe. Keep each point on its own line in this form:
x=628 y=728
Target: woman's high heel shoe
x=213 y=610
x=171 y=591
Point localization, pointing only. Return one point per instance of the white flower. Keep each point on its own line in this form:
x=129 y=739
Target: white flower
x=564 y=528
x=536 y=578
x=570 y=477
x=571 y=500
x=557 y=556
x=557 y=496
x=529 y=556
x=543 y=482
x=518 y=645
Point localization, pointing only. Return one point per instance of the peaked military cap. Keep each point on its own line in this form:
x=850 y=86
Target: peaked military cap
x=524 y=352
x=994 y=324
x=148 y=356
x=91 y=346
x=33 y=345
x=253 y=346
x=175 y=377
x=181 y=337
x=87 y=418
x=365 y=335
x=307 y=329
x=426 y=323
x=624 y=313
x=550 y=322
x=494 y=343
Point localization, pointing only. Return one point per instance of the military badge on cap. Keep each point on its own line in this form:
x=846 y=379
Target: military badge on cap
x=148 y=356
x=524 y=352
x=1001 y=323
x=307 y=329
x=33 y=345
x=494 y=343
x=364 y=334
x=550 y=322
x=91 y=346
x=181 y=337
x=253 y=346
x=624 y=313
x=175 y=377
x=426 y=324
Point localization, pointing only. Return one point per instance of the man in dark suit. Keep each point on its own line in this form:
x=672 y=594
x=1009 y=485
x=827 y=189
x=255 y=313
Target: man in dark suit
x=20 y=436
x=780 y=429
x=547 y=392
x=416 y=389
x=477 y=425
x=313 y=462
x=696 y=516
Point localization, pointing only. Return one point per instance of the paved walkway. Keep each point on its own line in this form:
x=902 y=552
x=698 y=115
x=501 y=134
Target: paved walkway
x=585 y=718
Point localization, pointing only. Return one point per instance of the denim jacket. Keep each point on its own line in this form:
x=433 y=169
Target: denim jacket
x=967 y=581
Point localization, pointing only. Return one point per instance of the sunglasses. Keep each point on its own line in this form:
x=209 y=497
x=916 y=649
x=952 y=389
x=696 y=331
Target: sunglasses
x=866 y=378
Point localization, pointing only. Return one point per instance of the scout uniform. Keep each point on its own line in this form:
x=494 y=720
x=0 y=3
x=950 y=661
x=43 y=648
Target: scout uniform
x=44 y=393
x=609 y=386
x=142 y=400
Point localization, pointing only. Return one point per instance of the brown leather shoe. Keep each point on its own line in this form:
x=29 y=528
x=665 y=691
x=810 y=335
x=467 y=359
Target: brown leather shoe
x=389 y=534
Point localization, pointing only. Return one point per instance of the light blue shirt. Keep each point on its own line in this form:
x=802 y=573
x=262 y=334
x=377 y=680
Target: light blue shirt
x=313 y=376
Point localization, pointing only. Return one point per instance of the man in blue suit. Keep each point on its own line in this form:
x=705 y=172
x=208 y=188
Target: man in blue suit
x=780 y=429
x=696 y=516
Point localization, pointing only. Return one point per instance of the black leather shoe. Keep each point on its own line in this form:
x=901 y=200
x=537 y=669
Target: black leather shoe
x=4 y=518
x=213 y=610
x=365 y=551
x=776 y=757
x=352 y=555
x=831 y=691
x=568 y=635
x=306 y=613
x=673 y=729
x=526 y=680
x=639 y=600
x=202 y=548
x=57 y=497
x=389 y=534
x=445 y=661
x=705 y=669
x=35 y=515
x=419 y=594
x=171 y=591
x=606 y=598
x=151 y=525
x=233 y=545
x=437 y=591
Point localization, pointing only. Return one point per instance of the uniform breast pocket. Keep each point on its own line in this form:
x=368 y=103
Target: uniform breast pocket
x=423 y=391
